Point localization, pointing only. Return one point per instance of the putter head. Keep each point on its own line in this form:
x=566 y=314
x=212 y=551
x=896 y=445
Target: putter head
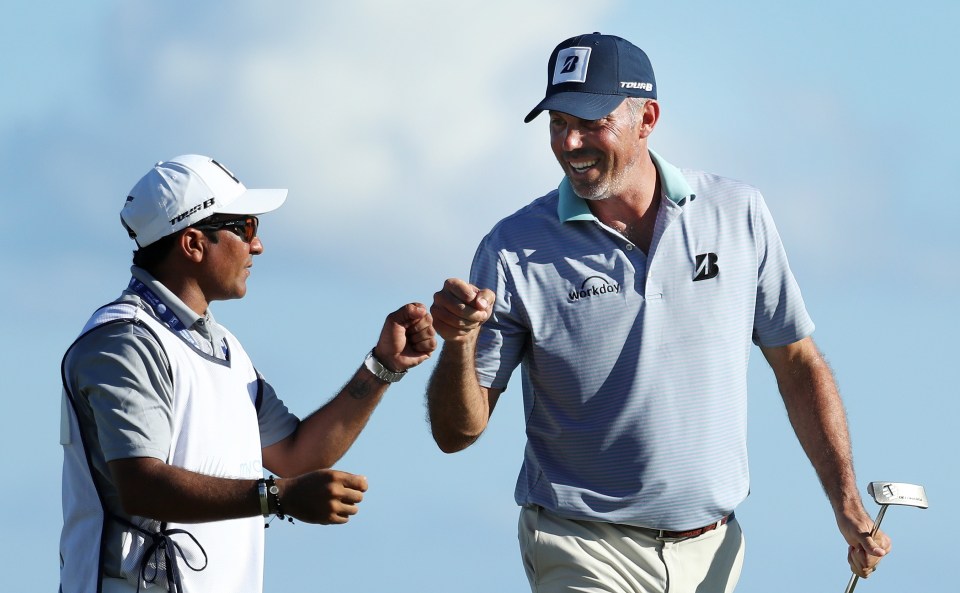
x=911 y=495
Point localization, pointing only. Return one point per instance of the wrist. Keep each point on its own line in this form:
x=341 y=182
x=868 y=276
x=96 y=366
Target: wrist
x=381 y=371
x=264 y=496
x=273 y=497
x=269 y=493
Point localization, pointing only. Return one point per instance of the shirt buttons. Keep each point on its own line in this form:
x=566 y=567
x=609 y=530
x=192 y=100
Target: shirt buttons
x=629 y=247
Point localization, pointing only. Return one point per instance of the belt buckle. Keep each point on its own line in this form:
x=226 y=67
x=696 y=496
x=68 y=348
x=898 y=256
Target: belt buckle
x=661 y=537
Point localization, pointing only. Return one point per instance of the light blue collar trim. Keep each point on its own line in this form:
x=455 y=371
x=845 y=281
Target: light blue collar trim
x=674 y=184
x=570 y=206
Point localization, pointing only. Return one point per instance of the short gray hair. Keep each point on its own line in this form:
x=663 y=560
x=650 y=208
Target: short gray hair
x=635 y=104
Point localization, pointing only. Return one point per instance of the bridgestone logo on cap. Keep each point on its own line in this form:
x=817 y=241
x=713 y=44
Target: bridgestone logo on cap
x=572 y=63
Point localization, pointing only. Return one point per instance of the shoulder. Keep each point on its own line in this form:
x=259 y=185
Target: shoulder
x=541 y=211
x=531 y=220
x=710 y=186
x=719 y=198
x=119 y=321
x=114 y=341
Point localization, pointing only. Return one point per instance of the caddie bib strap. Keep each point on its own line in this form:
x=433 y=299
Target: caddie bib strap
x=159 y=564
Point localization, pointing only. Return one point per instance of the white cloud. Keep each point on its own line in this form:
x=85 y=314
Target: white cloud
x=379 y=116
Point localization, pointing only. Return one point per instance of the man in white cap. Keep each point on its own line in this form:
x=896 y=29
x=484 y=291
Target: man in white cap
x=630 y=297
x=167 y=425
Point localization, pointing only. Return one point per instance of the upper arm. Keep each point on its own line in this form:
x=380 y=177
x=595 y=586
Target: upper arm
x=782 y=358
x=504 y=337
x=132 y=476
x=119 y=376
x=493 y=395
x=801 y=370
x=779 y=357
x=780 y=316
x=275 y=420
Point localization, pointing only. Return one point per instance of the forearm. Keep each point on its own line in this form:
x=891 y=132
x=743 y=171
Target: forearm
x=458 y=407
x=817 y=415
x=150 y=488
x=322 y=438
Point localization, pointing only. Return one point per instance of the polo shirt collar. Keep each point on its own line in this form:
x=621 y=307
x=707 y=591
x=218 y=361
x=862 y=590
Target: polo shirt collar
x=675 y=187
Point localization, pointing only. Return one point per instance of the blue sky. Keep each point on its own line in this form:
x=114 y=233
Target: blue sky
x=398 y=130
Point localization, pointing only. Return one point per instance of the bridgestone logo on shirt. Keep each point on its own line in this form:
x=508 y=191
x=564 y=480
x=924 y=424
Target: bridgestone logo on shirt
x=599 y=287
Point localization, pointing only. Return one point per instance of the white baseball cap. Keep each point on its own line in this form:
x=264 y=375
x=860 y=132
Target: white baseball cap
x=180 y=192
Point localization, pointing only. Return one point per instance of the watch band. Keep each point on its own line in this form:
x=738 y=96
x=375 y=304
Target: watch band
x=381 y=372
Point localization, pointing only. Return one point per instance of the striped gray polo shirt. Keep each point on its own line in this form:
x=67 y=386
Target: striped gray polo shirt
x=633 y=365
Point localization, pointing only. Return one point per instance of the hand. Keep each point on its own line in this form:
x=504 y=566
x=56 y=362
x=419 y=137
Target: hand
x=460 y=308
x=864 y=551
x=407 y=338
x=324 y=496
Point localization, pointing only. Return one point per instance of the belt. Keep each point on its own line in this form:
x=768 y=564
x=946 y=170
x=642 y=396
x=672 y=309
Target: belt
x=663 y=534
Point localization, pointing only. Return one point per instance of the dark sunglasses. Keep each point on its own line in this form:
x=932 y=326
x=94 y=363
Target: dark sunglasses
x=245 y=228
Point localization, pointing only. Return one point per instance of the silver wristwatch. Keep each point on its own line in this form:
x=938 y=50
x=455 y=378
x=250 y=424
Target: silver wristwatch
x=381 y=372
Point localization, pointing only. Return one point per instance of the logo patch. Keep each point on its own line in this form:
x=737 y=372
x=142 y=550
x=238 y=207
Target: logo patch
x=572 y=63
x=594 y=286
x=706 y=267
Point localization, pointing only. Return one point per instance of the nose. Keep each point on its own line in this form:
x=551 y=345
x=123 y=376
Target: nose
x=572 y=138
x=256 y=246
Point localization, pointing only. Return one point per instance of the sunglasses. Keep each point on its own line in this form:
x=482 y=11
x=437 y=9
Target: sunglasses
x=245 y=228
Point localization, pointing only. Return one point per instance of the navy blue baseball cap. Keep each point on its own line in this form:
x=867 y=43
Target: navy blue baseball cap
x=588 y=76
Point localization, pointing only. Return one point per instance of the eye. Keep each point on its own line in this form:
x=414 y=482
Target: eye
x=594 y=124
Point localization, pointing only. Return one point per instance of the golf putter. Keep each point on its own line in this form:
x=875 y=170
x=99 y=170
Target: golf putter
x=886 y=494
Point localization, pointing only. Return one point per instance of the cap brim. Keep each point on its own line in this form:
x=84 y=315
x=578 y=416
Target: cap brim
x=582 y=105
x=256 y=201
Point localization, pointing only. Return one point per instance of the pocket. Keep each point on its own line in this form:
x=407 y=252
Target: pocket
x=528 y=535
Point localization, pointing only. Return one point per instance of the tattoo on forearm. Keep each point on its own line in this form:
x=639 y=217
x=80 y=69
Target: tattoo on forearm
x=359 y=388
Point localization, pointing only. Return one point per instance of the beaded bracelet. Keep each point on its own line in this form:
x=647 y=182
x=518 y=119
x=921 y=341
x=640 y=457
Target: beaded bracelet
x=274 y=493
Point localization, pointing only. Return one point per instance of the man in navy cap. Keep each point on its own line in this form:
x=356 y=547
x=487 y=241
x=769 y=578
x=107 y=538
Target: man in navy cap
x=630 y=297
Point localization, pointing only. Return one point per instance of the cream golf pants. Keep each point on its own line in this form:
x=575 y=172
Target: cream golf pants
x=563 y=555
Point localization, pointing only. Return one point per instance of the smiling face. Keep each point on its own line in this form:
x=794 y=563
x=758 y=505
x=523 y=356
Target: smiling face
x=599 y=156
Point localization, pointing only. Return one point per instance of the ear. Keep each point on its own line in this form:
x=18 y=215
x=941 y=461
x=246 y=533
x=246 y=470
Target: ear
x=193 y=245
x=649 y=118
